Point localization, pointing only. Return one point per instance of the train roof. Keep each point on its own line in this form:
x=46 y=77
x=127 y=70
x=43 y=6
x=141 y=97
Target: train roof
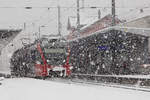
x=145 y=32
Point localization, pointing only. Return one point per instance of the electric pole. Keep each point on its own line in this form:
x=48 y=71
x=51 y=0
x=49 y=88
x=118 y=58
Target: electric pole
x=24 y=26
x=39 y=32
x=59 y=23
x=113 y=13
x=99 y=14
x=114 y=45
x=82 y=3
x=78 y=15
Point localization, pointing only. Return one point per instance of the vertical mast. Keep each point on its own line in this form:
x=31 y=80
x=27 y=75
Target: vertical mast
x=99 y=14
x=78 y=15
x=59 y=23
x=113 y=13
x=24 y=26
x=39 y=32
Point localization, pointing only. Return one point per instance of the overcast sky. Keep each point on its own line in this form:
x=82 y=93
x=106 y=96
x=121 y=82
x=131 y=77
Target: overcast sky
x=39 y=15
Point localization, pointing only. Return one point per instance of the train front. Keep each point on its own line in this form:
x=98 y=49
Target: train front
x=55 y=59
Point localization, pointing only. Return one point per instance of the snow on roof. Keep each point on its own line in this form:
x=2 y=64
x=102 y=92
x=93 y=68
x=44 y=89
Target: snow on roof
x=134 y=30
x=89 y=22
x=138 y=31
x=135 y=14
x=93 y=21
x=102 y=23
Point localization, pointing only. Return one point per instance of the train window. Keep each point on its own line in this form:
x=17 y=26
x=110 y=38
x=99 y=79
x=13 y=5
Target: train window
x=52 y=40
x=44 y=42
x=58 y=50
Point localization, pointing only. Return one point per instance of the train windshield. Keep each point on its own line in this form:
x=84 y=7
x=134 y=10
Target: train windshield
x=55 y=56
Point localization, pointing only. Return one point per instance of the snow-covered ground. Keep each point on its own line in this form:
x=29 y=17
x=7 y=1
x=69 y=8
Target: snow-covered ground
x=32 y=89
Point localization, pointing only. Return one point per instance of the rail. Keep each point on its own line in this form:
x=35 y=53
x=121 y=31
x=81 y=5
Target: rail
x=116 y=76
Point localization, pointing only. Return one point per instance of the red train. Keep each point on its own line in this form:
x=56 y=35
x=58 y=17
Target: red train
x=46 y=69
x=44 y=58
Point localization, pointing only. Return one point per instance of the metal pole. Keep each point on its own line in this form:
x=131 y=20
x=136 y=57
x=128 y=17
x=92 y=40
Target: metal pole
x=39 y=31
x=78 y=15
x=59 y=23
x=24 y=26
x=82 y=3
x=99 y=14
x=113 y=13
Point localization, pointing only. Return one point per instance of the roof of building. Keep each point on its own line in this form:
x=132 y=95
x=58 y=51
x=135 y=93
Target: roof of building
x=138 y=31
x=94 y=26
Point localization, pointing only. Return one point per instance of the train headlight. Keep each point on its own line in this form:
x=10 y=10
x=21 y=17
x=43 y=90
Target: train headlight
x=38 y=62
x=67 y=53
x=64 y=61
x=71 y=67
x=48 y=60
x=145 y=65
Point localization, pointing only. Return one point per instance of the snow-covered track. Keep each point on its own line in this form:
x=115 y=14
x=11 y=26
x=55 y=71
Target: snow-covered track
x=117 y=76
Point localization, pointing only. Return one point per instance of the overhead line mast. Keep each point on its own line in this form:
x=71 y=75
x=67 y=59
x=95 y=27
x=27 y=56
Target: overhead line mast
x=113 y=13
x=59 y=22
x=78 y=15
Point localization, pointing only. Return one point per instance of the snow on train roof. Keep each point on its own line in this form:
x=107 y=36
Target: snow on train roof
x=139 y=31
